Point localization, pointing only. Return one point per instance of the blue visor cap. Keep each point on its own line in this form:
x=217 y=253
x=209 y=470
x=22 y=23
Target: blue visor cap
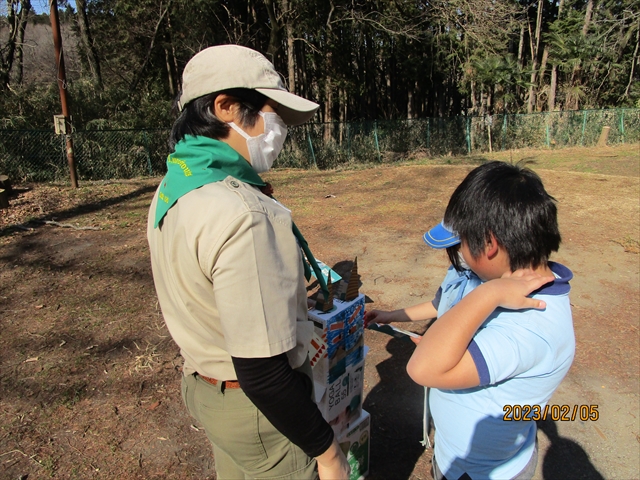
x=441 y=236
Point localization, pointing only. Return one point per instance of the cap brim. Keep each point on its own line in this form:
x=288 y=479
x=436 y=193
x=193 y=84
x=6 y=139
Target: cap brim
x=441 y=237
x=294 y=110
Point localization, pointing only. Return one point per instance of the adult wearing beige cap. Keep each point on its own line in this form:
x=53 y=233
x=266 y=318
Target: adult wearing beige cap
x=229 y=273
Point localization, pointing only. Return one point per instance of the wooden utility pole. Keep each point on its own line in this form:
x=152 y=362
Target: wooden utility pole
x=62 y=86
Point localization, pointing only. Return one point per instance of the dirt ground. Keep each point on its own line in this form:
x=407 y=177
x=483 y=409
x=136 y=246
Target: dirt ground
x=89 y=377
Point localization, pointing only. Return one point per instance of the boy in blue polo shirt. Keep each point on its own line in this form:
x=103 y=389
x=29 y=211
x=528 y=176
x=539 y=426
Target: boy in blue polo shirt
x=507 y=342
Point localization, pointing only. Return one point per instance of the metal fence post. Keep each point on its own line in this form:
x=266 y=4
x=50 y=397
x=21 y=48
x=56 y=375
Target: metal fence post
x=546 y=127
x=469 y=135
x=622 y=125
x=375 y=134
x=313 y=155
x=584 y=124
x=146 y=149
x=504 y=132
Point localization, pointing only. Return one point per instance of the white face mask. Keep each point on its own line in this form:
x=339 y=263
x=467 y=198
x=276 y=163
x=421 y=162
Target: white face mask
x=264 y=148
x=463 y=264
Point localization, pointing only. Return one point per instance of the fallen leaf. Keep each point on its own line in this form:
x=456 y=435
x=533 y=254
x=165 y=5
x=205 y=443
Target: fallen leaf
x=38 y=307
x=600 y=432
x=32 y=359
x=154 y=405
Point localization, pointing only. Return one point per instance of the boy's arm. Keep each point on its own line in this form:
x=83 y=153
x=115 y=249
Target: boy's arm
x=422 y=311
x=441 y=359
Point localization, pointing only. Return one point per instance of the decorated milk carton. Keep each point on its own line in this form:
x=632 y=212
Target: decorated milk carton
x=340 y=401
x=354 y=442
x=338 y=340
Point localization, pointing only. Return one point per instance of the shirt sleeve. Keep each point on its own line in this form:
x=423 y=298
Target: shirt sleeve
x=436 y=300
x=284 y=397
x=256 y=276
x=505 y=347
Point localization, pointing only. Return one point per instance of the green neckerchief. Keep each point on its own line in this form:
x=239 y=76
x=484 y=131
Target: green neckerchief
x=199 y=160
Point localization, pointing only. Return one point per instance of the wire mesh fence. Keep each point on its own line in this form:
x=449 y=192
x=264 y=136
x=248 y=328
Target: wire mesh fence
x=40 y=156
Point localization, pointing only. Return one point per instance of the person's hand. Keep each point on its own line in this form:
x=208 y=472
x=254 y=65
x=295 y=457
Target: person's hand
x=513 y=288
x=377 y=316
x=332 y=464
x=416 y=340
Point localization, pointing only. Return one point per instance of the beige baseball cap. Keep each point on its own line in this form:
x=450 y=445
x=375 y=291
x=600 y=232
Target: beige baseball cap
x=232 y=66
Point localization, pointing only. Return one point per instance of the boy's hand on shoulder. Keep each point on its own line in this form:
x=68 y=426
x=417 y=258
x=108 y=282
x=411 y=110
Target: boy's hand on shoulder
x=513 y=288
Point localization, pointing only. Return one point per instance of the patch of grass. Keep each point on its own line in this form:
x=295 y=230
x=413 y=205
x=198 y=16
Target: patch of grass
x=629 y=244
x=73 y=394
x=611 y=160
x=50 y=465
x=147 y=359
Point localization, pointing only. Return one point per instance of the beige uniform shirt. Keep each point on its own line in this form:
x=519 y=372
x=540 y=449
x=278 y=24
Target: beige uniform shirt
x=229 y=277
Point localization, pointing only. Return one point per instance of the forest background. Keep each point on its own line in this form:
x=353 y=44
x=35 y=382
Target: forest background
x=360 y=59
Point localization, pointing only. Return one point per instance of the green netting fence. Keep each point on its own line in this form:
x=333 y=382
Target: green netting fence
x=41 y=156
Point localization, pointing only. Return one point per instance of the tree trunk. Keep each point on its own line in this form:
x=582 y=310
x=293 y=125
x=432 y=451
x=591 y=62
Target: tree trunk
x=553 y=85
x=16 y=22
x=274 y=34
x=161 y=18
x=521 y=48
x=553 y=82
x=172 y=88
x=22 y=25
x=535 y=45
x=291 y=57
x=543 y=67
x=87 y=42
x=587 y=18
x=328 y=80
x=171 y=61
x=474 y=103
x=328 y=107
x=174 y=57
x=575 y=74
x=634 y=59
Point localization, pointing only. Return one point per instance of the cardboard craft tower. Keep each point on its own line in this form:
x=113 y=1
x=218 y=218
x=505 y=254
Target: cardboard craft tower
x=337 y=353
x=337 y=350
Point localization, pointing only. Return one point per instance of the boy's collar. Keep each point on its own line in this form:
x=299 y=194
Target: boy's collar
x=560 y=286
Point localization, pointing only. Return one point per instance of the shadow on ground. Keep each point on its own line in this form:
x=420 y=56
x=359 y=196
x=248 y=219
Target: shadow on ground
x=78 y=210
x=564 y=459
x=395 y=405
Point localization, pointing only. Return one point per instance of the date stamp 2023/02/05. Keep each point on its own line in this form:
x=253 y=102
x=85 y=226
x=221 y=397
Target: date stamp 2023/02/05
x=561 y=413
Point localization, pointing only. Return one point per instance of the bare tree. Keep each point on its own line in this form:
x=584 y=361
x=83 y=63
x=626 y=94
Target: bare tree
x=553 y=81
x=11 y=51
x=163 y=10
x=634 y=60
x=534 y=41
x=87 y=42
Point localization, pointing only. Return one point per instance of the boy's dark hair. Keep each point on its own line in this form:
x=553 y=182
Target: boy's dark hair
x=454 y=258
x=510 y=202
x=197 y=118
